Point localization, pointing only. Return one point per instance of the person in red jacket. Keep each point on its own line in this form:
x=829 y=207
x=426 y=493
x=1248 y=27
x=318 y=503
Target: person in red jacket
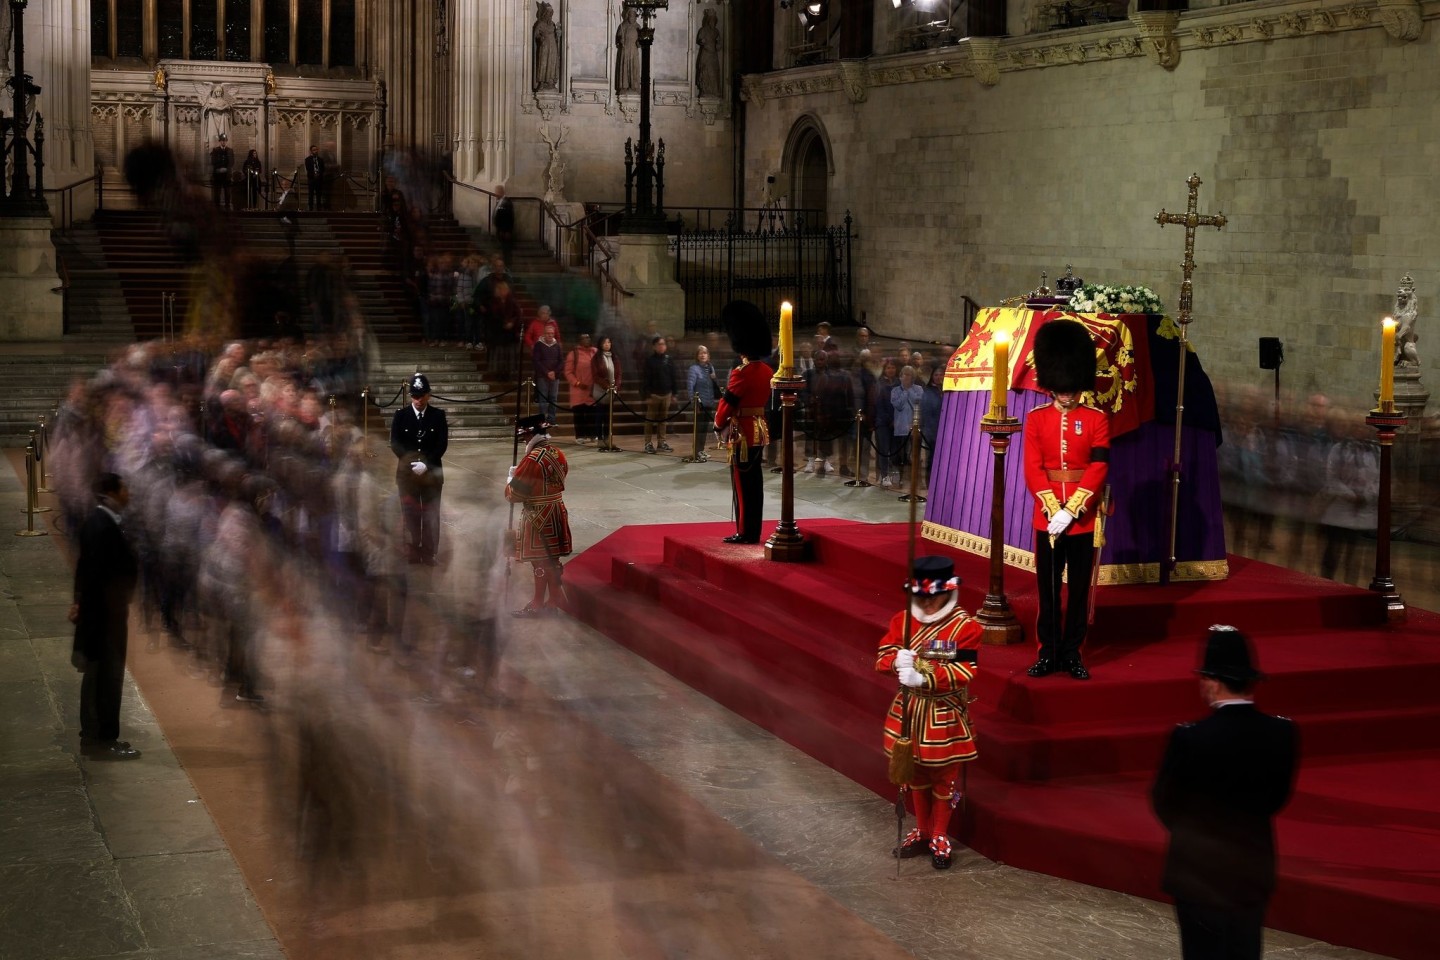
x=740 y=415
x=934 y=669
x=1067 y=457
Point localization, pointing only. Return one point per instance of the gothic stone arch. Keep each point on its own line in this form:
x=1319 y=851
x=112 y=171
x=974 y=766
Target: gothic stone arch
x=807 y=164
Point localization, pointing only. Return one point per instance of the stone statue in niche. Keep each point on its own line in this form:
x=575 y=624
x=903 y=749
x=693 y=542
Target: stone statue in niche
x=215 y=112
x=546 y=41
x=627 y=53
x=1407 y=310
x=707 y=56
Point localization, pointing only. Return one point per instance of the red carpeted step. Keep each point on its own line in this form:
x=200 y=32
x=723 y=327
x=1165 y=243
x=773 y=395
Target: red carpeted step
x=1062 y=783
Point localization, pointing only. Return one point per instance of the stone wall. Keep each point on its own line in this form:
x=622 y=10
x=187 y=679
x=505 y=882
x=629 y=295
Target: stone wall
x=1314 y=129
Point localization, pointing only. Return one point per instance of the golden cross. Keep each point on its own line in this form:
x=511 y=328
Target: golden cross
x=1190 y=219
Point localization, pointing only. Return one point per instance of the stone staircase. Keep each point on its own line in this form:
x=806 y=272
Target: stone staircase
x=33 y=385
x=457 y=387
x=95 y=308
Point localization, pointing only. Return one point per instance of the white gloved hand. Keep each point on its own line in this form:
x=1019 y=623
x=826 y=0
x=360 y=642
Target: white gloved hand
x=510 y=475
x=905 y=660
x=1059 y=522
x=418 y=468
x=911 y=677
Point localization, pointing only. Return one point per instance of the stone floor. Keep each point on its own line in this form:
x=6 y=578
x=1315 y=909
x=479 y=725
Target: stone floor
x=112 y=860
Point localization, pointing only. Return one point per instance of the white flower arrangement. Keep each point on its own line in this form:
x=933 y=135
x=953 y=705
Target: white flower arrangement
x=1100 y=298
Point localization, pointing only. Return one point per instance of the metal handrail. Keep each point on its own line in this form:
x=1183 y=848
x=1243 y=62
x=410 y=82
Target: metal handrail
x=67 y=197
x=601 y=269
x=63 y=289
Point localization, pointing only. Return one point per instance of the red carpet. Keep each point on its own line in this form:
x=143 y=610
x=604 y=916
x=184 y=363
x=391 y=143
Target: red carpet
x=1061 y=786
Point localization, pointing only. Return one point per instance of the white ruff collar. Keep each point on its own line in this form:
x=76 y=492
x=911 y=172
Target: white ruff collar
x=940 y=614
x=536 y=440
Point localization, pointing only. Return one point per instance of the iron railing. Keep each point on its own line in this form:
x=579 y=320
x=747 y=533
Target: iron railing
x=808 y=266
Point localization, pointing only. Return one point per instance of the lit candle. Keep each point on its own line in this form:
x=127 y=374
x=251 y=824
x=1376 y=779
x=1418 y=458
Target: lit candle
x=787 y=340
x=1001 y=381
x=1387 y=362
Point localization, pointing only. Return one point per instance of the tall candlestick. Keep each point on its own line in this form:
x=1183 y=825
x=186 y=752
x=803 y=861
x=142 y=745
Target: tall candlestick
x=1387 y=363
x=787 y=339
x=1000 y=382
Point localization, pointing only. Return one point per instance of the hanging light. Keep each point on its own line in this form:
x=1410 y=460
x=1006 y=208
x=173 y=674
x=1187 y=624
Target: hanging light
x=813 y=13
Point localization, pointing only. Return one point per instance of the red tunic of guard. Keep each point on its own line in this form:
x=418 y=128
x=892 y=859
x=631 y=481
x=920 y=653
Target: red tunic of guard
x=1061 y=469
x=539 y=483
x=743 y=406
x=939 y=720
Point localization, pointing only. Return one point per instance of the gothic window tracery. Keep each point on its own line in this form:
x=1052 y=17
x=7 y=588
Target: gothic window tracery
x=300 y=32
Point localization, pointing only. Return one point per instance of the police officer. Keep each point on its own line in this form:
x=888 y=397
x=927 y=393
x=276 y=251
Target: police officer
x=419 y=436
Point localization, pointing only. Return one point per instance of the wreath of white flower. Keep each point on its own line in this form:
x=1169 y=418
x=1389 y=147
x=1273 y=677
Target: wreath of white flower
x=1101 y=298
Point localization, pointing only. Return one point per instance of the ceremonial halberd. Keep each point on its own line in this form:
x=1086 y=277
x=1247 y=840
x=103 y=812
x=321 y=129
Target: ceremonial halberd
x=1137 y=368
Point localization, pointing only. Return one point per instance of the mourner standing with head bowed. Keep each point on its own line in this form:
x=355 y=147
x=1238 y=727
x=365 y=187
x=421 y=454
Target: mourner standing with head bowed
x=419 y=436
x=1221 y=783
x=1067 y=458
x=538 y=483
x=740 y=415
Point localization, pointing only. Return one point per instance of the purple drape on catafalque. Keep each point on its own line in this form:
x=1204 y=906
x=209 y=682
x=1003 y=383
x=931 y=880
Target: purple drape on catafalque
x=958 y=509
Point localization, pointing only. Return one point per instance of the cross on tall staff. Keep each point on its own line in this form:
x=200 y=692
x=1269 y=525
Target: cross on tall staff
x=1190 y=220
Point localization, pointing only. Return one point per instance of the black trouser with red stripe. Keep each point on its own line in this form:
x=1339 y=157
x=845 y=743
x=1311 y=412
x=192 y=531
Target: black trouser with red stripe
x=1060 y=628
x=747 y=478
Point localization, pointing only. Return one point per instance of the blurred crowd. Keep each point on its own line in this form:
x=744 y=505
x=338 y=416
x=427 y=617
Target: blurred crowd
x=1300 y=484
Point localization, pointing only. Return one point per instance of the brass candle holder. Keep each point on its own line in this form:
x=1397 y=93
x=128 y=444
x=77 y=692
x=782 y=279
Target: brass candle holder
x=787 y=544
x=997 y=619
x=1387 y=423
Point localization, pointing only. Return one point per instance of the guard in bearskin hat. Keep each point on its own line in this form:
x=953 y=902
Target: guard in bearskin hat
x=740 y=414
x=1220 y=785
x=1067 y=457
x=543 y=539
x=927 y=729
x=419 y=436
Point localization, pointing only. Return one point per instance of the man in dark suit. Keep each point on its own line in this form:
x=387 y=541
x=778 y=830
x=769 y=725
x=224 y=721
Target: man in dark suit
x=315 y=179
x=105 y=576
x=419 y=436
x=1221 y=783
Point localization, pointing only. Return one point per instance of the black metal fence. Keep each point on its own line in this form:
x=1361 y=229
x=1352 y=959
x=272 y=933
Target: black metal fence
x=809 y=266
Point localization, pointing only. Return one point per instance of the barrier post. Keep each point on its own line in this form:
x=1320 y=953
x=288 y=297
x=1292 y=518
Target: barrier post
x=42 y=455
x=30 y=510
x=697 y=451
x=860 y=469
x=610 y=445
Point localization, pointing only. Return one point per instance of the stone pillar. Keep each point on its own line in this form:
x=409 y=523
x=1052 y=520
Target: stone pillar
x=30 y=309
x=57 y=40
x=487 y=70
x=645 y=267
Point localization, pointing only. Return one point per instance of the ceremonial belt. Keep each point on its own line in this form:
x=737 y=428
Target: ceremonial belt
x=546 y=498
x=752 y=411
x=936 y=694
x=1064 y=476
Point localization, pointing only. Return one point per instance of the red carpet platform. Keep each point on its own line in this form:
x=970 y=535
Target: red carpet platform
x=1062 y=783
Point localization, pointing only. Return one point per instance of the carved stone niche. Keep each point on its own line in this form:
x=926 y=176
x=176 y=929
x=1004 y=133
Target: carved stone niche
x=985 y=59
x=1400 y=18
x=1157 y=36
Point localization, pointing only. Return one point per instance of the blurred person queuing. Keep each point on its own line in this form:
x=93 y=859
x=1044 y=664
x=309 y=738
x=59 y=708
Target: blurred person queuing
x=253 y=172
x=834 y=400
x=657 y=384
x=106 y=571
x=538 y=483
x=605 y=377
x=464 y=319
x=905 y=400
x=703 y=385
x=1221 y=782
x=1066 y=461
x=883 y=414
x=503 y=318
x=440 y=288
x=580 y=377
x=932 y=400
x=862 y=382
x=934 y=665
x=419 y=437
x=547 y=359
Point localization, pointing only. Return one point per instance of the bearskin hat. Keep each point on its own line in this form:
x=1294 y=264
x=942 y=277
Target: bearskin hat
x=749 y=333
x=1064 y=357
